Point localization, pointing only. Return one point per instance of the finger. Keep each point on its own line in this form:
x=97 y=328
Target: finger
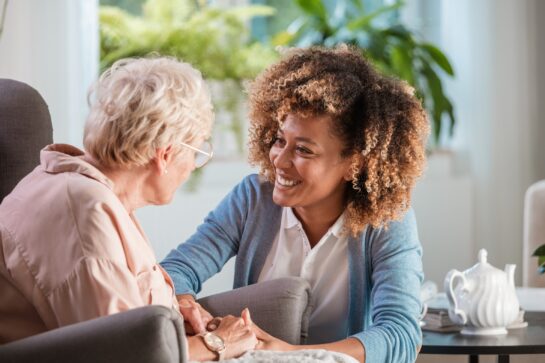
x=188 y=328
x=213 y=324
x=246 y=317
x=206 y=316
x=193 y=316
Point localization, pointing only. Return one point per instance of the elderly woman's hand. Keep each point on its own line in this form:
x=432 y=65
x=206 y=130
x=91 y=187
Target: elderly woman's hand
x=196 y=318
x=237 y=334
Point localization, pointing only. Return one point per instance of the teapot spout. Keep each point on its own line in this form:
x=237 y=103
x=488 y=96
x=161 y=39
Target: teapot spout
x=510 y=271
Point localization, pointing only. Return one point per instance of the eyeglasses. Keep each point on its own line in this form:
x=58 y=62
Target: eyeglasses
x=203 y=154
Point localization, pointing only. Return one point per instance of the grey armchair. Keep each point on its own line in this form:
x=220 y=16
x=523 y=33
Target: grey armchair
x=156 y=334
x=148 y=334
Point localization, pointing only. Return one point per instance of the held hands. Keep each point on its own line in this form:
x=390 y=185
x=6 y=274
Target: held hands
x=237 y=334
x=196 y=318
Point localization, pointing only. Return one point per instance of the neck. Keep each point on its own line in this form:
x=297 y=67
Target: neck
x=128 y=184
x=317 y=221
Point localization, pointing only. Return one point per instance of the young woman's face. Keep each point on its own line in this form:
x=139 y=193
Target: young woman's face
x=309 y=169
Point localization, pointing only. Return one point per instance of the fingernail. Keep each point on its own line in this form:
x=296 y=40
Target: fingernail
x=212 y=326
x=185 y=304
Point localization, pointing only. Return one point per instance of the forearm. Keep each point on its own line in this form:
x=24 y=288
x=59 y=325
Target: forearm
x=198 y=350
x=350 y=346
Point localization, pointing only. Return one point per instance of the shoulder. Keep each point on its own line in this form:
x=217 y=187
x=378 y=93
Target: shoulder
x=400 y=233
x=254 y=188
x=98 y=215
x=257 y=183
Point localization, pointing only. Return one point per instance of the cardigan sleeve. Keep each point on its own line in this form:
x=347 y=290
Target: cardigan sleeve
x=396 y=277
x=216 y=240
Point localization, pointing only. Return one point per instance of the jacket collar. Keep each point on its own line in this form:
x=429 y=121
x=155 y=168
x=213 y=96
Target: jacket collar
x=64 y=158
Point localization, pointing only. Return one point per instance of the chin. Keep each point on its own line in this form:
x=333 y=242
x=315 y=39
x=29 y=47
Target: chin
x=282 y=201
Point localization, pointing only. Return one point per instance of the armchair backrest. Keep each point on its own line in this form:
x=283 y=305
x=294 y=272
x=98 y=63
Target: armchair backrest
x=534 y=233
x=25 y=128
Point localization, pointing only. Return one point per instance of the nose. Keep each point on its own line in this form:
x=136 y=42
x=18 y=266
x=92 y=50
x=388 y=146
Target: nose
x=281 y=157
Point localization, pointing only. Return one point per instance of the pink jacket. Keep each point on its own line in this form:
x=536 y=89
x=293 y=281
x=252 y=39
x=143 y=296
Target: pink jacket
x=70 y=251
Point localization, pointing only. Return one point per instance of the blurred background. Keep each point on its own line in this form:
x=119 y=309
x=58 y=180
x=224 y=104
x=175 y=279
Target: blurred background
x=475 y=65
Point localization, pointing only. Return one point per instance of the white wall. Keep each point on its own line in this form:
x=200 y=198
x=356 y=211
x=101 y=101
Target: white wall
x=53 y=46
x=497 y=93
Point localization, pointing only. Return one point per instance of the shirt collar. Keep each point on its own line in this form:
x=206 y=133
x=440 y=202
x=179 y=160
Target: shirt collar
x=291 y=221
x=62 y=158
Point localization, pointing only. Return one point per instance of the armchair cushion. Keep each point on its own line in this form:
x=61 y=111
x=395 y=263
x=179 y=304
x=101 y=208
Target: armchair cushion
x=147 y=334
x=280 y=307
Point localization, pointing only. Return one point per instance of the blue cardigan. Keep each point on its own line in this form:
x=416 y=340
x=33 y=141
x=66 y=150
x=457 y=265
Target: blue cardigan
x=385 y=267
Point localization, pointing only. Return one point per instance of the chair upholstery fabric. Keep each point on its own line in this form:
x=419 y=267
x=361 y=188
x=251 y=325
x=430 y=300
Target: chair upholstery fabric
x=25 y=126
x=281 y=307
x=534 y=233
x=148 y=334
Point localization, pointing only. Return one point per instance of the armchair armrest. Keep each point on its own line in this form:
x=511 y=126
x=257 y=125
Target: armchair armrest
x=281 y=307
x=143 y=335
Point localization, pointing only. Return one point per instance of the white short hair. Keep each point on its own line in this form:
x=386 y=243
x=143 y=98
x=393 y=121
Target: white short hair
x=141 y=104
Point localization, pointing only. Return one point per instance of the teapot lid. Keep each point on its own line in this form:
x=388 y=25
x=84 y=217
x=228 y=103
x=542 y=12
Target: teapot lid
x=483 y=254
x=483 y=266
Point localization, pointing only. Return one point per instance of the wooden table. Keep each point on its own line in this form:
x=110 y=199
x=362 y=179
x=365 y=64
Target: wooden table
x=529 y=340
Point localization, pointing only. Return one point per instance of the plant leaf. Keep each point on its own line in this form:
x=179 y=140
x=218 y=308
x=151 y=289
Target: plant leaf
x=540 y=251
x=282 y=38
x=402 y=63
x=541 y=260
x=365 y=20
x=439 y=57
x=313 y=7
x=251 y=11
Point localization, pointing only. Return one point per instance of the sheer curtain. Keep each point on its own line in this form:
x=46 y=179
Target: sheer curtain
x=495 y=48
x=53 y=46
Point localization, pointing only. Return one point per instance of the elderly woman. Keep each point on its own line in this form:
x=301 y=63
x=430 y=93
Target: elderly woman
x=71 y=247
x=340 y=148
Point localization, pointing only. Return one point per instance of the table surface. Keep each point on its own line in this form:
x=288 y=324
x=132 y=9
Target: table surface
x=529 y=340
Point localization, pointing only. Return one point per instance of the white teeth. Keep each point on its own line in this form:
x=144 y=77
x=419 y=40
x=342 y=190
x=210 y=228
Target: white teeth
x=285 y=182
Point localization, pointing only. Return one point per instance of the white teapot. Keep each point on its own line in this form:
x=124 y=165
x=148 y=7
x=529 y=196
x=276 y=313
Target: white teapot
x=485 y=300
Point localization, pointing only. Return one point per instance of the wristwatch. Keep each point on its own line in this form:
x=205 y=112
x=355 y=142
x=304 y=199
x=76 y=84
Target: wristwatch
x=214 y=343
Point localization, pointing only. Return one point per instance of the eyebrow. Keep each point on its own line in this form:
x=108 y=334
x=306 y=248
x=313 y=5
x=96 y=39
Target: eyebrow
x=301 y=138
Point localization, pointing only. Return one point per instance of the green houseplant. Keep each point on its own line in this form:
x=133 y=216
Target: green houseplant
x=214 y=40
x=540 y=254
x=391 y=46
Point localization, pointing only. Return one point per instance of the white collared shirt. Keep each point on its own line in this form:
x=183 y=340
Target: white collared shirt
x=325 y=267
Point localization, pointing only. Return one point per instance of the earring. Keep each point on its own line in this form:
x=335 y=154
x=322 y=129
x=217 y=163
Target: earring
x=165 y=171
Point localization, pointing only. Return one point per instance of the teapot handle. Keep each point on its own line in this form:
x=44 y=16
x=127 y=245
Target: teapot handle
x=459 y=314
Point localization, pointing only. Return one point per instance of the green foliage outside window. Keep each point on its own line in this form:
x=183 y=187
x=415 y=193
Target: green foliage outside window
x=540 y=254
x=393 y=48
x=214 y=40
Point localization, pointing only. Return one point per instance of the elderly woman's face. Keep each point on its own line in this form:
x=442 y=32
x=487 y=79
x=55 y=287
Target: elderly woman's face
x=310 y=172
x=179 y=168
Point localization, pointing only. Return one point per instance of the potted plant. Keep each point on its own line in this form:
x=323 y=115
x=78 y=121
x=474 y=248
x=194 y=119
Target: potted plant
x=214 y=40
x=392 y=47
x=540 y=254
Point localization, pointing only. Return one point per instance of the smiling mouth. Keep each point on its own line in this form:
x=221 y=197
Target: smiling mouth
x=286 y=182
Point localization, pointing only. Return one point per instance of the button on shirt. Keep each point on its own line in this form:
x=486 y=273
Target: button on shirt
x=325 y=267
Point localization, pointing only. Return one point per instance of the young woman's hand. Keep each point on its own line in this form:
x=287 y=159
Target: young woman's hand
x=237 y=335
x=265 y=340
x=196 y=318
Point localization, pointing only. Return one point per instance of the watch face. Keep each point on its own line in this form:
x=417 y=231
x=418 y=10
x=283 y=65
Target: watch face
x=213 y=341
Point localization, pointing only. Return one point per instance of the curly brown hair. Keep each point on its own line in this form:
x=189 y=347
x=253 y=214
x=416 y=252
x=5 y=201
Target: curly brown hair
x=382 y=124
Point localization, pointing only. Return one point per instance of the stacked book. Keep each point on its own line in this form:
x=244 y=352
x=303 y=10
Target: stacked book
x=437 y=319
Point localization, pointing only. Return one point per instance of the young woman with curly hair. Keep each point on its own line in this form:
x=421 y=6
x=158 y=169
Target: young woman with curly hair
x=340 y=148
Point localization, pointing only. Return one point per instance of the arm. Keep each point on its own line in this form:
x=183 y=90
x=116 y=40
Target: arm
x=396 y=265
x=212 y=245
